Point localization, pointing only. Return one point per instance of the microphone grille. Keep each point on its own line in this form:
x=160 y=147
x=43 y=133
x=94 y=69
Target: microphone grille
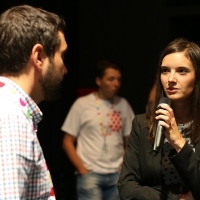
x=165 y=100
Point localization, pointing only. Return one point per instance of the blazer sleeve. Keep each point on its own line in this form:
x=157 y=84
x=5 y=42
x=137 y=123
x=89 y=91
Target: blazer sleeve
x=129 y=184
x=187 y=164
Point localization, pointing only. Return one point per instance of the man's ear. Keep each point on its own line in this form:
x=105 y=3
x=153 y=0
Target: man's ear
x=98 y=81
x=37 y=55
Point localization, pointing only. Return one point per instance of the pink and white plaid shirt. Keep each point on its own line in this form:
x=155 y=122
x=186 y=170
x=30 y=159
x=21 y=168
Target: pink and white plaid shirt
x=23 y=171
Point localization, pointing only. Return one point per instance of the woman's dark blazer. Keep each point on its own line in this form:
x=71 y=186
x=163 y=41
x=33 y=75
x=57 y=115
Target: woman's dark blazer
x=140 y=178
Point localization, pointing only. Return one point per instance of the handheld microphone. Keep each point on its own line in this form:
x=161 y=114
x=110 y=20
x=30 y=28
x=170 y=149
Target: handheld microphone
x=159 y=128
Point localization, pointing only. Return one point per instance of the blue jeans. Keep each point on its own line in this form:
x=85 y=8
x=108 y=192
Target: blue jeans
x=93 y=186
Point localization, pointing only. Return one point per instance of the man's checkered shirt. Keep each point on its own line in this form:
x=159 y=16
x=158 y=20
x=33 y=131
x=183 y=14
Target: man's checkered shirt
x=23 y=171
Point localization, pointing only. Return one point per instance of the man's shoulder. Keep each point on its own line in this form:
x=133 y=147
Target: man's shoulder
x=6 y=102
x=120 y=99
x=84 y=99
x=82 y=102
x=123 y=104
x=9 y=107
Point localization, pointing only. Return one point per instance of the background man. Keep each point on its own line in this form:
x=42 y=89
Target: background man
x=32 y=46
x=100 y=124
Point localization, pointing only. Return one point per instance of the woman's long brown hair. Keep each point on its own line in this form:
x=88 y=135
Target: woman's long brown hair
x=192 y=52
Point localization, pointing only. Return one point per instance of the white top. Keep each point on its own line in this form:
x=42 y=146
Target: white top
x=83 y=121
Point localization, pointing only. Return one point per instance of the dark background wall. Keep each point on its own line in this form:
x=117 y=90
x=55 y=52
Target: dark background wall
x=130 y=33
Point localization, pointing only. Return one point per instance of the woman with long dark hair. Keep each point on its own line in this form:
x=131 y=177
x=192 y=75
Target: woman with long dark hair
x=172 y=171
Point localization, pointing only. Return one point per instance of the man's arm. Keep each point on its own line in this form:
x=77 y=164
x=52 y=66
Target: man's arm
x=70 y=149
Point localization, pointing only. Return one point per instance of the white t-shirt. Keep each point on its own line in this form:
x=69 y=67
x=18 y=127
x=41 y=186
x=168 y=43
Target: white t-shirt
x=98 y=123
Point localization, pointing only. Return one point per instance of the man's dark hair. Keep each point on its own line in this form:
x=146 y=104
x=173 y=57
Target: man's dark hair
x=102 y=66
x=21 y=27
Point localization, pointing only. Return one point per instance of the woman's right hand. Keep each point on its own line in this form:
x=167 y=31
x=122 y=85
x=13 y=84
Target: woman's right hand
x=167 y=119
x=186 y=196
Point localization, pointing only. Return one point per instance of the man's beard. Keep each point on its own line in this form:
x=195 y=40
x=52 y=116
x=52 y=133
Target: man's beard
x=51 y=83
